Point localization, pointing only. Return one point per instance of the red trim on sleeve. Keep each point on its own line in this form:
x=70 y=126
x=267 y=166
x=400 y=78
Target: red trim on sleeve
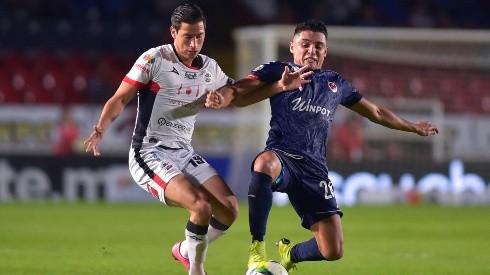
x=135 y=83
x=252 y=76
x=152 y=86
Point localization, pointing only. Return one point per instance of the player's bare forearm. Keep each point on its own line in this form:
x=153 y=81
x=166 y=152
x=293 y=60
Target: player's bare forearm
x=112 y=109
x=116 y=104
x=250 y=90
x=288 y=81
x=232 y=93
x=422 y=128
x=385 y=117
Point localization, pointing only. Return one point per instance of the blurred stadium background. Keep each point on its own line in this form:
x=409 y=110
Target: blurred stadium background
x=60 y=60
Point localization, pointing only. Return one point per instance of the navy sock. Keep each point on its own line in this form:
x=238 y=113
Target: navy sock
x=259 y=204
x=306 y=251
x=196 y=229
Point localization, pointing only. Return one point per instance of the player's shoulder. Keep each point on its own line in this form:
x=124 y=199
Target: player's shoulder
x=151 y=55
x=208 y=61
x=329 y=74
x=272 y=66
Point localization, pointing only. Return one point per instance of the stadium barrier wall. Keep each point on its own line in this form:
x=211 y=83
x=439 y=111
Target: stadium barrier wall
x=84 y=178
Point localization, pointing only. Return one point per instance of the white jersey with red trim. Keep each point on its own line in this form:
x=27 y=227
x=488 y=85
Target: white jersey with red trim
x=170 y=95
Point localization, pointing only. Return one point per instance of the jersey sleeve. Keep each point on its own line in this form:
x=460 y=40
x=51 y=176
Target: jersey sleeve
x=144 y=69
x=350 y=96
x=269 y=72
x=221 y=79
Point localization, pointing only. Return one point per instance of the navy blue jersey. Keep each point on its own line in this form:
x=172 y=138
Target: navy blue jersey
x=301 y=120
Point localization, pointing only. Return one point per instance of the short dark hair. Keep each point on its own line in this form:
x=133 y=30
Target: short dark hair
x=187 y=13
x=312 y=25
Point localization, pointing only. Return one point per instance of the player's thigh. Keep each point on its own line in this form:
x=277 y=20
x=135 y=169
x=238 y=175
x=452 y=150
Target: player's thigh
x=224 y=203
x=329 y=236
x=181 y=192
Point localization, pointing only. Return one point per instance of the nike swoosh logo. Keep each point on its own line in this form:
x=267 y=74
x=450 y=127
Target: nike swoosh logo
x=174 y=71
x=195 y=238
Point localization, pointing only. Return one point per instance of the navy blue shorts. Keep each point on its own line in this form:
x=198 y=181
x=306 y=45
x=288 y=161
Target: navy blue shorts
x=310 y=191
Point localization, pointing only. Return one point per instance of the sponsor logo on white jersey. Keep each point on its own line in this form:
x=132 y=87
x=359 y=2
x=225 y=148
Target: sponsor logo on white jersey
x=190 y=75
x=163 y=122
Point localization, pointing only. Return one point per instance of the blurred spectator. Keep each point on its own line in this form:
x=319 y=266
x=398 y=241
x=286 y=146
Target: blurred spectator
x=66 y=135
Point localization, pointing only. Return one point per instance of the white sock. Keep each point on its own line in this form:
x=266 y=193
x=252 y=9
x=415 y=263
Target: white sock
x=197 y=246
x=213 y=234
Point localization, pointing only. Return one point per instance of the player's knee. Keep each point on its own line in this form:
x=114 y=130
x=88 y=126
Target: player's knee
x=232 y=210
x=201 y=208
x=266 y=162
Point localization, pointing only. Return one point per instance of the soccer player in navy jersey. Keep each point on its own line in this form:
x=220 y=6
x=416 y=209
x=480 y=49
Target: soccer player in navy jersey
x=294 y=160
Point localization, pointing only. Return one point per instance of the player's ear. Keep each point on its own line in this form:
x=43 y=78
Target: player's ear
x=173 y=32
x=291 y=47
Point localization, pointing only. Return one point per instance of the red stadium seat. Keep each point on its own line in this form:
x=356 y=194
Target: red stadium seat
x=14 y=60
x=75 y=62
x=421 y=86
x=42 y=61
x=7 y=93
x=392 y=85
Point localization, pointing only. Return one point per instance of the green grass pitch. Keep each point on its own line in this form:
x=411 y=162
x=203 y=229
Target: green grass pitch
x=99 y=238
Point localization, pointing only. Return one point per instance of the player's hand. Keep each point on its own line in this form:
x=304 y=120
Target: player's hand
x=294 y=80
x=425 y=128
x=93 y=140
x=214 y=100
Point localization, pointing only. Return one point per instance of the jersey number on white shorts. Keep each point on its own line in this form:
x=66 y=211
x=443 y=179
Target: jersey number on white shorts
x=196 y=160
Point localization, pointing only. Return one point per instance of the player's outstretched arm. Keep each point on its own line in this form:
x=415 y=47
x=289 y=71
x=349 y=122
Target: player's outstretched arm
x=387 y=118
x=250 y=90
x=289 y=81
x=112 y=109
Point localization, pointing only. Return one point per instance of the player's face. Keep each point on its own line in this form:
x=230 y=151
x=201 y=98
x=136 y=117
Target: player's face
x=309 y=49
x=188 y=41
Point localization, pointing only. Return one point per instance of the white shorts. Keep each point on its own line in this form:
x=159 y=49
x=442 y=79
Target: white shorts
x=152 y=168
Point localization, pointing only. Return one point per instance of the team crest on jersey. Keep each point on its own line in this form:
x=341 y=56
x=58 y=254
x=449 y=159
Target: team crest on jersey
x=149 y=59
x=207 y=77
x=332 y=86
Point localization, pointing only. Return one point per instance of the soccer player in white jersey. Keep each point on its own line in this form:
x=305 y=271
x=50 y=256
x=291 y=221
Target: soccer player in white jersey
x=171 y=82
